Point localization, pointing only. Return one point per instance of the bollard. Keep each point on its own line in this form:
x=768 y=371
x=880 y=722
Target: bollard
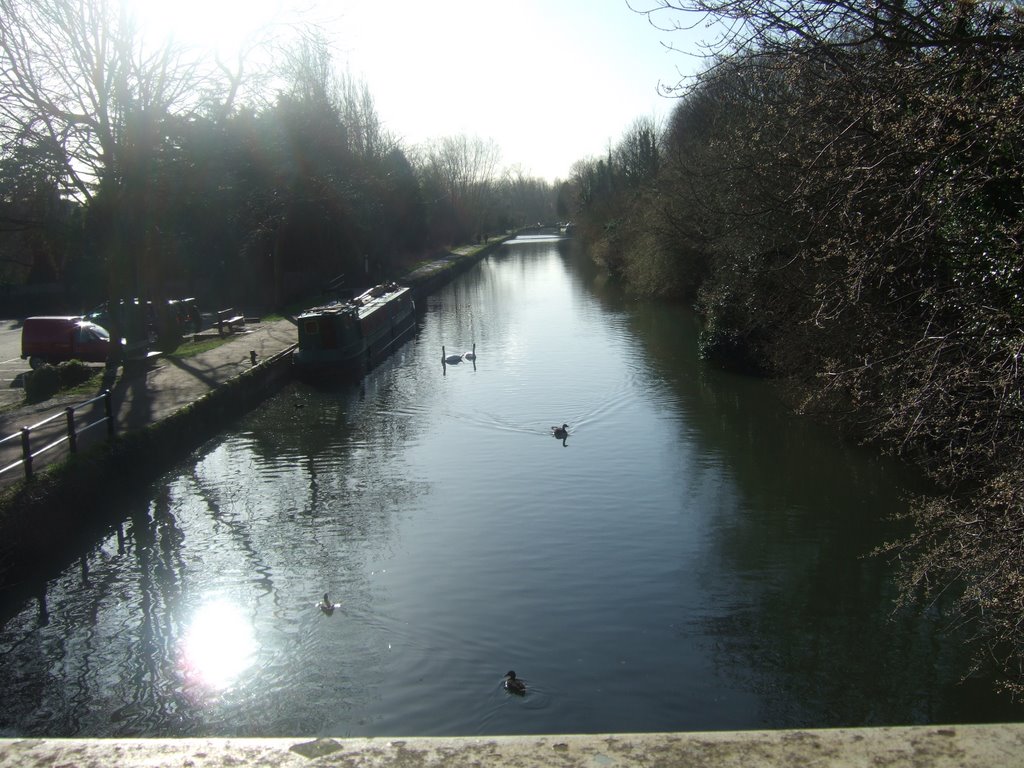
x=109 y=410
x=26 y=452
x=72 y=436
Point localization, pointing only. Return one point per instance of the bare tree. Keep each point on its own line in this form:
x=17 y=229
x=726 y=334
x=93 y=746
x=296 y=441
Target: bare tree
x=466 y=168
x=366 y=134
x=74 y=73
x=765 y=30
x=525 y=199
x=636 y=154
x=309 y=71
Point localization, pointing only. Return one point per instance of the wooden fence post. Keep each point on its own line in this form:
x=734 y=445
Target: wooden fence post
x=108 y=407
x=72 y=435
x=26 y=452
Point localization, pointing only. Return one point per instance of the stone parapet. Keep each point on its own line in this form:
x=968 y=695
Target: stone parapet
x=954 y=746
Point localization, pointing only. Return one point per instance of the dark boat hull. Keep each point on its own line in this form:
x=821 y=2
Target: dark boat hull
x=346 y=339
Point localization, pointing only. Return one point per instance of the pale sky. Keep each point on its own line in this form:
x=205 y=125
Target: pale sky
x=550 y=81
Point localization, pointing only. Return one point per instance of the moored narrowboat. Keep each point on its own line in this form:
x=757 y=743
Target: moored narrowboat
x=349 y=337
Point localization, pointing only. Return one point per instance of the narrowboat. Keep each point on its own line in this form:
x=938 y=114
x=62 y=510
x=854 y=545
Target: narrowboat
x=348 y=337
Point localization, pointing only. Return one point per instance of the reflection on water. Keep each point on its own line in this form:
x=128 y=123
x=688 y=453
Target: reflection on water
x=217 y=648
x=688 y=557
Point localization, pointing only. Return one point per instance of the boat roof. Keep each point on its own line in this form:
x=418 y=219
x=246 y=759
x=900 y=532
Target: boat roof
x=363 y=304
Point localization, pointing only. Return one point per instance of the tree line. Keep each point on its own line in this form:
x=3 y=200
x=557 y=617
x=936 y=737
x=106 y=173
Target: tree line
x=840 y=195
x=129 y=169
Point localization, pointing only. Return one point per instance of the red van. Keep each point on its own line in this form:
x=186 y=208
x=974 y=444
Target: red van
x=56 y=339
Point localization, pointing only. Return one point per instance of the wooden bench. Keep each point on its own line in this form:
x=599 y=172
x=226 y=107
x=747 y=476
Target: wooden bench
x=227 y=319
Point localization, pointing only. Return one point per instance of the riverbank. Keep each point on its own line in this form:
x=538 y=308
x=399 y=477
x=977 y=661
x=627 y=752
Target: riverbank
x=977 y=746
x=161 y=413
x=440 y=269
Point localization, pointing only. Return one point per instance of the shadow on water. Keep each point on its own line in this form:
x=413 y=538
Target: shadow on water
x=819 y=638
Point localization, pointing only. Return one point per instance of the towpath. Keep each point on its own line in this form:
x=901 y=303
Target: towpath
x=147 y=396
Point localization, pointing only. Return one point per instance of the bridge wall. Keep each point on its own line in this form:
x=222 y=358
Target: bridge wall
x=974 y=746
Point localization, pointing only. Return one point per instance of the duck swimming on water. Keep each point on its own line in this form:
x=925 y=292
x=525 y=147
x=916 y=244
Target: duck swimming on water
x=513 y=684
x=471 y=355
x=450 y=359
x=326 y=605
x=561 y=432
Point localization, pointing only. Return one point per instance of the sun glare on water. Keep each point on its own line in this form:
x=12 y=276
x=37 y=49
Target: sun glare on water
x=217 y=648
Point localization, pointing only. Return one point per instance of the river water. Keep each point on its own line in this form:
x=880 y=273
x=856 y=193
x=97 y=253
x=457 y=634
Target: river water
x=689 y=558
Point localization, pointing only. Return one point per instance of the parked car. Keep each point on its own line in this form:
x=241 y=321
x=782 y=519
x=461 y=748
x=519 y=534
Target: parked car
x=133 y=320
x=145 y=324
x=53 y=339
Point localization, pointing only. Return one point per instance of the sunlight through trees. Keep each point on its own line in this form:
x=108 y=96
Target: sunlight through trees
x=132 y=170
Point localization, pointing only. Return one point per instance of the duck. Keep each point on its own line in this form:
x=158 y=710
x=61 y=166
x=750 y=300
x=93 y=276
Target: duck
x=326 y=605
x=513 y=684
x=471 y=355
x=450 y=359
x=561 y=432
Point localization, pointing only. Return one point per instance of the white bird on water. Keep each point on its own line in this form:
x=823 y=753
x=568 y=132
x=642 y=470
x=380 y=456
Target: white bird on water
x=471 y=355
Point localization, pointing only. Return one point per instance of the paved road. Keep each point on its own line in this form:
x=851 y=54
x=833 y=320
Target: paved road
x=12 y=367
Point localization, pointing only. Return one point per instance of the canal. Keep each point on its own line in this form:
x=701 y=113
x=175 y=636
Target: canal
x=690 y=557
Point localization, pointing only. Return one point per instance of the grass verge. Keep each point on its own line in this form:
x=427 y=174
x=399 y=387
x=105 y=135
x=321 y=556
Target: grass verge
x=191 y=348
